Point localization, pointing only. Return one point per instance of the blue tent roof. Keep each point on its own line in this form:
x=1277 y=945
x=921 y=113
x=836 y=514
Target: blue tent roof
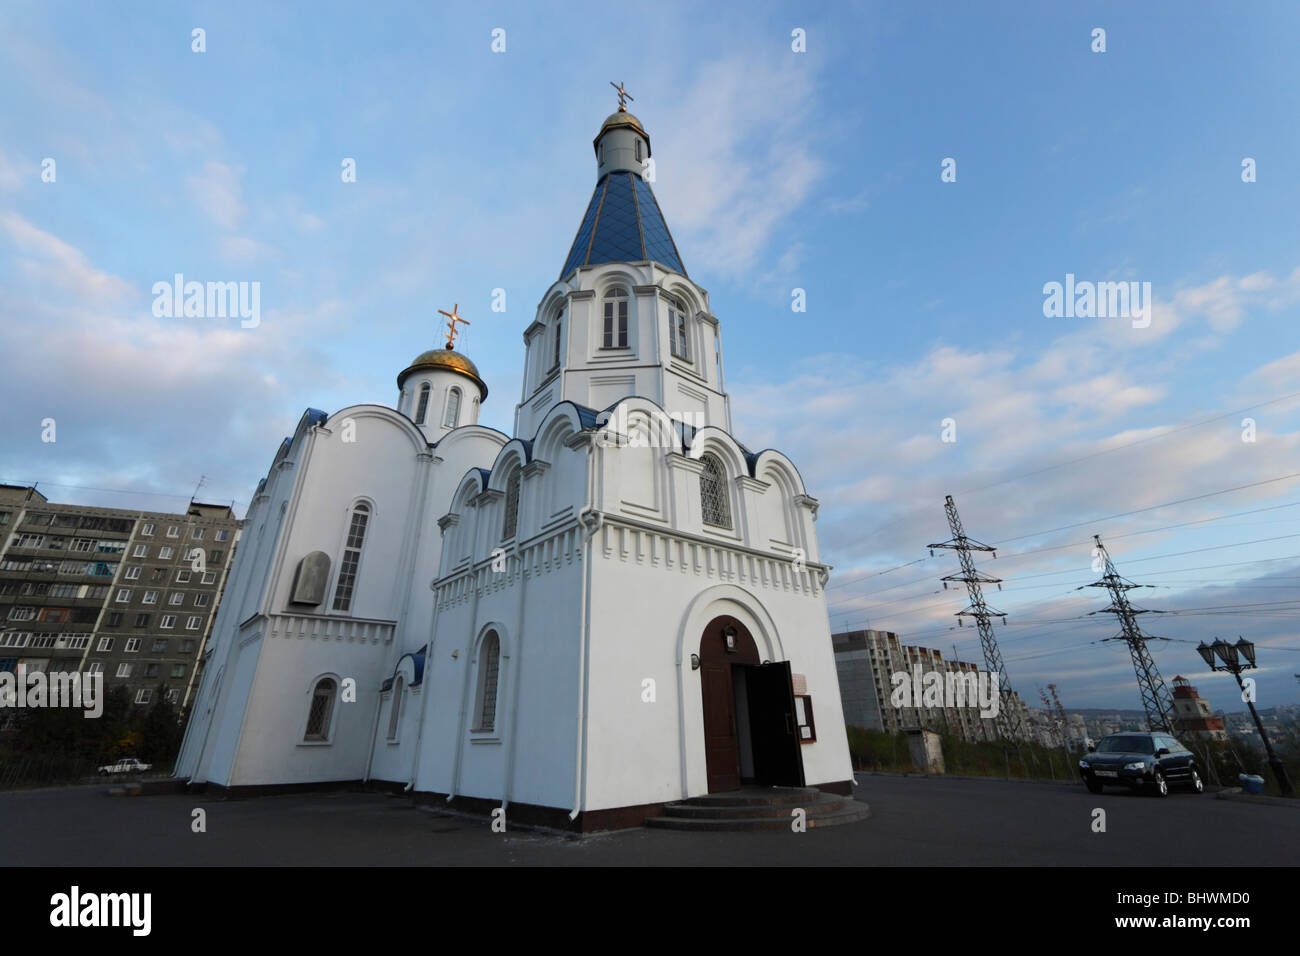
x=623 y=223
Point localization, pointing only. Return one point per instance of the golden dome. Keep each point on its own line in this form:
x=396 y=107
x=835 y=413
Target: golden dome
x=448 y=359
x=621 y=118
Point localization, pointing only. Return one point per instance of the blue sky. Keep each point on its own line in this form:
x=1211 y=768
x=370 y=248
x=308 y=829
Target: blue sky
x=776 y=170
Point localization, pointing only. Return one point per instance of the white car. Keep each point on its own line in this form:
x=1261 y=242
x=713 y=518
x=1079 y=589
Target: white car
x=125 y=765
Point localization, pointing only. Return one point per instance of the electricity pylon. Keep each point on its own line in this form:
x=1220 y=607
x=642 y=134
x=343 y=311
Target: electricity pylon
x=1007 y=721
x=1156 y=699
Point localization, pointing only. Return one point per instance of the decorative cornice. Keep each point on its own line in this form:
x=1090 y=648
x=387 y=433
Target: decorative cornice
x=752 y=484
x=808 y=502
x=535 y=467
x=582 y=439
x=582 y=294
x=486 y=496
x=448 y=521
x=685 y=462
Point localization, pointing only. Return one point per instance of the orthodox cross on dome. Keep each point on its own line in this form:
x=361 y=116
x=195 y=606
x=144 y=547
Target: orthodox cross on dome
x=452 y=318
x=623 y=95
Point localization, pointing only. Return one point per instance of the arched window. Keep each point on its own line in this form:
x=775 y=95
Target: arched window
x=677 y=330
x=638 y=151
x=559 y=331
x=452 y=415
x=714 y=504
x=322 y=709
x=615 y=319
x=351 y=562
x=423 y=407
x=489 y=670
x=510 y=523
x=395 y=711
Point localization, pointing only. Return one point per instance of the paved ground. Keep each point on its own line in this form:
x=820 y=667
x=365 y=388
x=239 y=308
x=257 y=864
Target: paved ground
x=915 y=821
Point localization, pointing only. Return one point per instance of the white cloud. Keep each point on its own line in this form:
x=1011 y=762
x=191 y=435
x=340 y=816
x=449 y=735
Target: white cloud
x=56 y=265
x=218 y=192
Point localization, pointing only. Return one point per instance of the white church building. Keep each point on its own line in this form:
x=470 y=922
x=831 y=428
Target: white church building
x=618 y=607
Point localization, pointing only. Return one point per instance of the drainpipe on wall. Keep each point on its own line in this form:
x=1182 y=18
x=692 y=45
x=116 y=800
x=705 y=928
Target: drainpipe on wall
x=590 y=518
x=428 y=667
x=518 y=673
x=405 y=574
x=464 y=682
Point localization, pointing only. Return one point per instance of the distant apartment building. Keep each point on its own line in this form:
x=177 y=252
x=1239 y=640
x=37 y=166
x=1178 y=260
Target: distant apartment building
x=1192 y=713
x=128 y=593
x=865 y=661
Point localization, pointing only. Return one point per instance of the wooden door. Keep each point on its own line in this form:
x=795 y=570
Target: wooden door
x=717 y=656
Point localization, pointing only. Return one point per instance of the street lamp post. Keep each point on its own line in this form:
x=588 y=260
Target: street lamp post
x=1231 y=655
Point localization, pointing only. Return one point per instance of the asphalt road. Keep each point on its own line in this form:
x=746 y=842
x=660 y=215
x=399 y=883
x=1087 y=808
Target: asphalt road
x=915 y=821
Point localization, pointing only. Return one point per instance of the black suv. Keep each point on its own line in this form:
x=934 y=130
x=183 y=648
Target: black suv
x=1152 y=762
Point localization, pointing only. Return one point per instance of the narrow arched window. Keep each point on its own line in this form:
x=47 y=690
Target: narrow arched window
x=677 y=330
x=322 y=709
x=452 y=415
x=615 y=319
x=714 y=504
x=423 y=407
x=638 y=151
x=395 y=711
x=559 y=332
x=489 y=672
x=351 y=562
x=510 y=523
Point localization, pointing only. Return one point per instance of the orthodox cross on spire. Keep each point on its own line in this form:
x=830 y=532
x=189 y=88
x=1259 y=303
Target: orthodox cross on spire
x=623 y=95
x=452 y=318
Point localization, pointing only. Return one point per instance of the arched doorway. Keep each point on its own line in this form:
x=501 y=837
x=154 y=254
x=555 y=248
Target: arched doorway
x=749 y=726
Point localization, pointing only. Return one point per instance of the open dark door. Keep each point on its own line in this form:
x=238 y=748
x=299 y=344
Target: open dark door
x=778 y=761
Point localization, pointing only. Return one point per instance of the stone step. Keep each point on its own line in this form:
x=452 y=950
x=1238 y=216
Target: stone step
x=755 y=796
x=852 y=814
x=821 y=803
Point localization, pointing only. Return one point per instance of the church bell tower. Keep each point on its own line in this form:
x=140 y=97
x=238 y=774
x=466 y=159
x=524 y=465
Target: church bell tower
x=624 y=317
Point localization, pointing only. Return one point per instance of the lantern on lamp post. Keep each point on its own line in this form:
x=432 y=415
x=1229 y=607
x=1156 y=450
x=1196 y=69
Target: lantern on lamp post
x=1232 y=656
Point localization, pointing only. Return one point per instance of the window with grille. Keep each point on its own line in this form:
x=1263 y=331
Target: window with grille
x=322 y=706
x=489 y=668
x=510 y=523
x=452 y=414
x=615 y=319
x=423 y=407
x=351 y=562
x=395 y=712
x=677 y=331
x=714 y=504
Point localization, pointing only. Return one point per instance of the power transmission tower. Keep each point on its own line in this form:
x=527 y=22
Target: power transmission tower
x=1156 y=699
x=1060 y=714
x=1008 y=717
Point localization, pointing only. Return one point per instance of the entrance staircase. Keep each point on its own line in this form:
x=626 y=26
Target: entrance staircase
x=760 y=808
